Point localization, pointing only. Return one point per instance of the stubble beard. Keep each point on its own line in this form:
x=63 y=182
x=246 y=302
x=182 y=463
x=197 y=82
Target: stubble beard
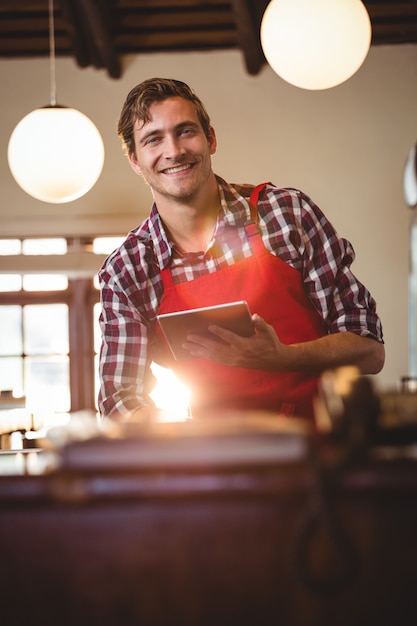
x=182 y=193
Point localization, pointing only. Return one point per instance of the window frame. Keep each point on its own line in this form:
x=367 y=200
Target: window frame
x=80 y=297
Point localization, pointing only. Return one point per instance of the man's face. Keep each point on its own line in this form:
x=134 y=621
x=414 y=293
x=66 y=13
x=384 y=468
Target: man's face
x=172 y=152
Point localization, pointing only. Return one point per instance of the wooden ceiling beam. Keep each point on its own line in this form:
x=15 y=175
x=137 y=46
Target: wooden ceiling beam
x=90 y=33
x=100 y=32
x=248 y=16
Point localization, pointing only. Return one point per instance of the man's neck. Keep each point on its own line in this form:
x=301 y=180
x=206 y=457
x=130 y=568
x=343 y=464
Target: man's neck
x=191 y=224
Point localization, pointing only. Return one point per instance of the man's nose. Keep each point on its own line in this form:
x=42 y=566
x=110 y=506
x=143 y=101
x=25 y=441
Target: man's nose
x=173 y=147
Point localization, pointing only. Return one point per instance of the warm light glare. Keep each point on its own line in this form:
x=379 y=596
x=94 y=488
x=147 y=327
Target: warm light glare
x=315 y=44
x=56 y=154
x=170 y=395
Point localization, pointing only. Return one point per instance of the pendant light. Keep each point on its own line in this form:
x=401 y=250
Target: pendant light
x=315 y=44
x=55 y=153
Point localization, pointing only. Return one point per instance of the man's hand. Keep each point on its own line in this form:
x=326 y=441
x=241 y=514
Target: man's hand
x=262 y=350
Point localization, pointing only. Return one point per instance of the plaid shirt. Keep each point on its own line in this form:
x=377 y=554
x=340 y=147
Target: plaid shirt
x=293 y=228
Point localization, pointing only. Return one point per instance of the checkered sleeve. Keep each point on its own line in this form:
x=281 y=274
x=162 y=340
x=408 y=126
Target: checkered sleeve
x=300 y=234
x=128 y=297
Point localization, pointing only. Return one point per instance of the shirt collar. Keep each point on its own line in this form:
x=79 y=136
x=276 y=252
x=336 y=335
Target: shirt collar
x=235 y=203
x=234 y=211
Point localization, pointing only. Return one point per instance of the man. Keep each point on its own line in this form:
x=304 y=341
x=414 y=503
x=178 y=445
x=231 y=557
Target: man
x=207 y=242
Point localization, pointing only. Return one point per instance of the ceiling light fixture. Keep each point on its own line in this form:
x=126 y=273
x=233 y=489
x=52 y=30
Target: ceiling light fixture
x=315 y=44
x=55 y=153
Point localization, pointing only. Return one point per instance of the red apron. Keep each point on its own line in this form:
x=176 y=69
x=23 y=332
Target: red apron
x=274 y=290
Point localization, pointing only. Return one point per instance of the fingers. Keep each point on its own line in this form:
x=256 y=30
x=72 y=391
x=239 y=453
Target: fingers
x=230 y=349
x=203 y=346
x=223 y=338
x=259 y=323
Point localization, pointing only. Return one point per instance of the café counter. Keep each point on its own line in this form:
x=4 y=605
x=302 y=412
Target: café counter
x=222 y=528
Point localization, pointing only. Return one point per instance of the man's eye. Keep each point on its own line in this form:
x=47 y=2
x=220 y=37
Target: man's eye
x=187 y=131
x=151 y=140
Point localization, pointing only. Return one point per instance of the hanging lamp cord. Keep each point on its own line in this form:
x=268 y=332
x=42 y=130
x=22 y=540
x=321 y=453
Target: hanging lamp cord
x=52 y=98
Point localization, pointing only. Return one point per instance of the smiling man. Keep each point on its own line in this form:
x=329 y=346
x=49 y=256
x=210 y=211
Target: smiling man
x=207 y=242
x=172 y=153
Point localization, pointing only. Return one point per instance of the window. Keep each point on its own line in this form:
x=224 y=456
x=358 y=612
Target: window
x=34 y=354
x=47 y=330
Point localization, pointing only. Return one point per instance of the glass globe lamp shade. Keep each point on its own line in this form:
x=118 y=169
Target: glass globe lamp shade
x=56 y=154
x=315 y=44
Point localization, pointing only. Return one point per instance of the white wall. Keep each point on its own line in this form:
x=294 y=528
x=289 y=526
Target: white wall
x=345 y=147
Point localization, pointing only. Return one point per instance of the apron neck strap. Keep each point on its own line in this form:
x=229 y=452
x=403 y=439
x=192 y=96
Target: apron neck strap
x=253 y=200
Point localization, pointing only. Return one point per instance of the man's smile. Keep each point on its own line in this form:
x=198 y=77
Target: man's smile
x=178 y=168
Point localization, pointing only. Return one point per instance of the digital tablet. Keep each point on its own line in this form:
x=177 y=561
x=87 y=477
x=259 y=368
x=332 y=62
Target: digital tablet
x=234 y=316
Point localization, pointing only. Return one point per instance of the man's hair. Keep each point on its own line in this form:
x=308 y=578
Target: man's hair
x=140 y=99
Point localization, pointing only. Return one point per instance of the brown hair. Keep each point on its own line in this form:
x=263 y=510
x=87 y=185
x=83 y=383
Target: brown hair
x=141 y=97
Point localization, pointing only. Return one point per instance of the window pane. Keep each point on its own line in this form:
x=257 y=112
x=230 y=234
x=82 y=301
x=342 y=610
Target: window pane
x=47 y=384
x=57 y=245
x=10 y=246
x=105 y=245
x=10 y=331
x=10 y=282
x=45 y=282
x=11 y=373
x=46 y=329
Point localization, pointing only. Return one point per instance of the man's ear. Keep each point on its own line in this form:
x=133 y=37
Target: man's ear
x=212 y=140
x=134 y=164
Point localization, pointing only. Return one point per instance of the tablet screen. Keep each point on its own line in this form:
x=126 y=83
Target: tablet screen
x=234 y=316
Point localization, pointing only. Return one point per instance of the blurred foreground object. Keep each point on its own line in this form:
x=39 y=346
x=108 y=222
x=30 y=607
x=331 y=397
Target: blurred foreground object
x=234 y=521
